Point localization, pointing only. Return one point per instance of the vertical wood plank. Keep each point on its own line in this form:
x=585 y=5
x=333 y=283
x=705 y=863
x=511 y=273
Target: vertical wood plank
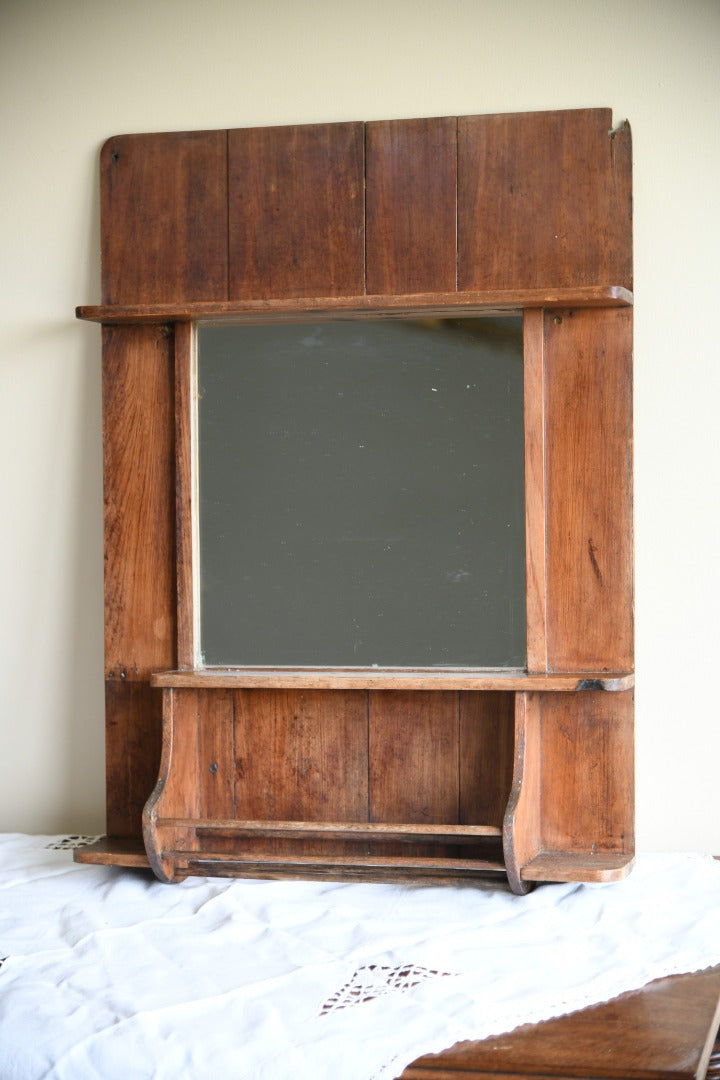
x=133 y=731
x=216 y=754
x=138 y=477
x=296 y=211
x=588 y=365
x=163 y=217
x=587 y=792
x=185 y=501
x=535 y=495
x=486 y=756
x=411 y=205
x=544 y=200
x=414 y=757
x=301 y=755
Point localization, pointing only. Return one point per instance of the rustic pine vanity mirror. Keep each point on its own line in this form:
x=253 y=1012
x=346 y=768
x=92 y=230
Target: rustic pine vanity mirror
x=367 y=396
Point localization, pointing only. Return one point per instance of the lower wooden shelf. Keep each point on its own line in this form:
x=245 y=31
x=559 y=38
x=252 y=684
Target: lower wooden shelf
x=114 y=851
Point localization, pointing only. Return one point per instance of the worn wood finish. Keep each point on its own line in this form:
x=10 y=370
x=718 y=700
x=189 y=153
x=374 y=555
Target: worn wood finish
x=163 y=217
x=133 y=726
x=296 y=211
x=588 y=372
x=535 y=490
x=379 y=773
x=487 y=302
x=506 y=680
x=522 y=824
x=587 y=774
x=486 y=756
x=185 y=499
x=414 y=757
x=138 y=483
x=411 y=205
x=664 y=1031
x=301 y=755
x=544 y=199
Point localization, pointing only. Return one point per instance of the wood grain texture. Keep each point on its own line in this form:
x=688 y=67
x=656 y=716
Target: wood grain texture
x=588 y=373
x=522 y=825
x=301 y=755
x=587 y=778
x=139 y=501
x=296 y=223
x=133 y=731
x=440 y=679
x=411 y=205
x=544 y=199
x=535 y=490
x=483 y=302
x=414 y=762
x=163 y=217
x=487 y=740
x=216 y=754
x=665 y=1031
x=185 y=497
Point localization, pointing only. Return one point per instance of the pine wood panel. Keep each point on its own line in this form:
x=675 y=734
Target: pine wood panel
x=296 y=211
x=588 y=371
x=414 y=757
x=163 y=217
x=587 y=780
x=138 y=479
x=486 y=756
x=411 y=205
x=133 y=733
x=301 y=755
x=544 y=199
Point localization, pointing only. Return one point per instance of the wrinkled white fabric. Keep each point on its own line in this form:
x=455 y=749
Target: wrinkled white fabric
x=106 y=974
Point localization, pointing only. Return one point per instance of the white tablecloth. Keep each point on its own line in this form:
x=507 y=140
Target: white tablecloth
x=107 y=974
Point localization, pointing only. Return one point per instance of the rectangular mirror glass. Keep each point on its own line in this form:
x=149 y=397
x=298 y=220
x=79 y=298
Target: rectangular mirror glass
x=361 y=493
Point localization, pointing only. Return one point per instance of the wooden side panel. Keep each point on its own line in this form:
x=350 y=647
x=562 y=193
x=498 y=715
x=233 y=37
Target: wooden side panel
x=587 y=784
x=301 y=755
x=296 y=211
x=588 y=366
x=133 y=735
x=139 y=477
x=523 y=817
x=163 y=217
x=486 y=756
x=411 y=205
x=544 y=200
x=414 y=757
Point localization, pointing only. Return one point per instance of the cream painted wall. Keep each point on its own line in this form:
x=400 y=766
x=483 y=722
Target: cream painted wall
x=73 y=72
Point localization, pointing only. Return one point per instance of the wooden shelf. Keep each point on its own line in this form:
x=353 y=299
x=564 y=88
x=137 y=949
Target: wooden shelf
x=391 y=679
x=114 y=851
x=336 y=868
x=338 y=830
x=375 y=306
x=577 y=866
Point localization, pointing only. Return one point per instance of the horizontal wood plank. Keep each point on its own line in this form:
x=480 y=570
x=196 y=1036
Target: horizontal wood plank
x=257 y=309
x=387 y=679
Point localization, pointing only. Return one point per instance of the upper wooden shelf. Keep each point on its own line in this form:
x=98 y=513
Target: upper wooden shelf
x=390 y=679
x=373 y=306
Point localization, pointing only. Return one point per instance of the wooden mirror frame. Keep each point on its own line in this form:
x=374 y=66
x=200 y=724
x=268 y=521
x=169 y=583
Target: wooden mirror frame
x=379 y=773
